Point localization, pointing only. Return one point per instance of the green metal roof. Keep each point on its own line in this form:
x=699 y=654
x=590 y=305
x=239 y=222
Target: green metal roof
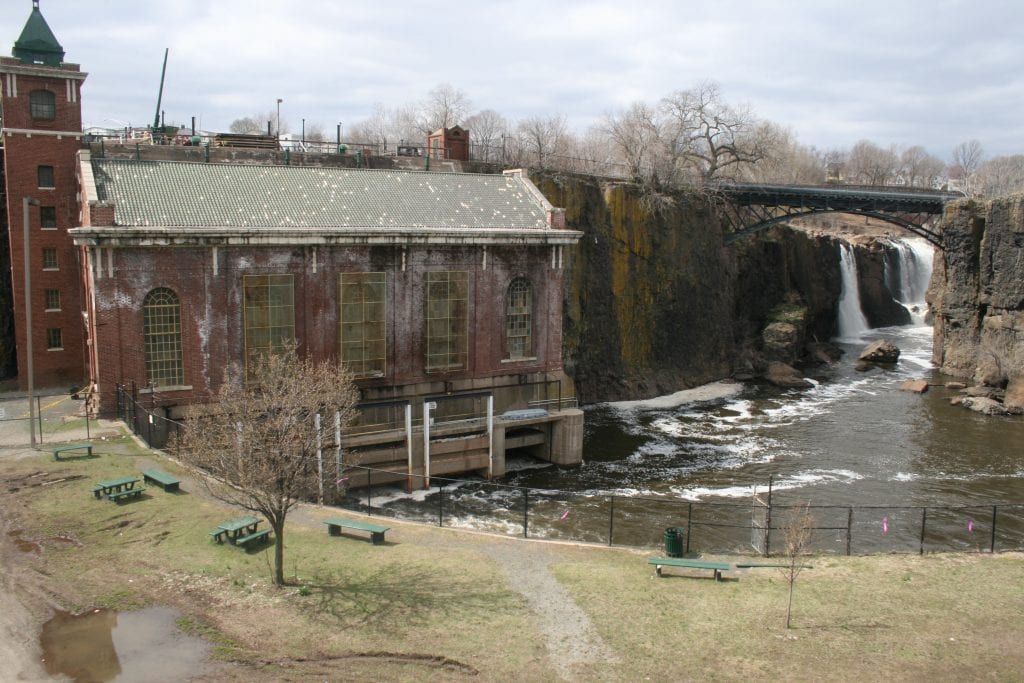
x=198 y=195
x=37 y=44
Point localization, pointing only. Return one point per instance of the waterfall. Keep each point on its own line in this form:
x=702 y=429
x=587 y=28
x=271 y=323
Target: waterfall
x=908 y=277
x=852 y=323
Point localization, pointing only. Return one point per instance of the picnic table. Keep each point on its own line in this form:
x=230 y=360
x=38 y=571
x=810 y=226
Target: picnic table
x=240 y=532
x=116 y=489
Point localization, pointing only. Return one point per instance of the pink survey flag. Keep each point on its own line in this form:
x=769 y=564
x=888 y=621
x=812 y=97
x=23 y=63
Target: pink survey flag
x=970 y=525
x=885 y=525
x=564 y=516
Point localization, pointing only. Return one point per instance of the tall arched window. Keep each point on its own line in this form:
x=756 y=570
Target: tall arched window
x=161 y=325
x=519 y=319
x=42 y=104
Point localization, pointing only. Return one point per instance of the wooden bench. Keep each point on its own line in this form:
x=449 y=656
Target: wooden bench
x=57 y=450
x=118 y=496
x=219 y=534
x=161 y=478
x=336 y=524
x=256 y=537
x=716 y=567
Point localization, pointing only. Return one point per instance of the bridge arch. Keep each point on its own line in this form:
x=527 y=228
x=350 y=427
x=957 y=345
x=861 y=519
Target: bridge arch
x=748 y=208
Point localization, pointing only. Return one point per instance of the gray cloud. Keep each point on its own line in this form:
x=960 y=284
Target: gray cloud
x=913 y=72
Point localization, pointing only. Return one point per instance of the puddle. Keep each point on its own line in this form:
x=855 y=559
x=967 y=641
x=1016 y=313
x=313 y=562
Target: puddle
x=104 y=645
x=21 y=544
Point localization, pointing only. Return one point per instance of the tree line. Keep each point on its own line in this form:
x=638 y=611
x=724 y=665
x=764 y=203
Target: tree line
x=688 y=138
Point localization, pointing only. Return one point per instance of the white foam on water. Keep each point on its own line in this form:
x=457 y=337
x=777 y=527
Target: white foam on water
x=903 y=476
x=707 y=392
x=796 y=481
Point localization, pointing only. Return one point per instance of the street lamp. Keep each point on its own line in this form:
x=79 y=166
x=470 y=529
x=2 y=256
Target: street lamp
x=25 y=203
x=279 y=101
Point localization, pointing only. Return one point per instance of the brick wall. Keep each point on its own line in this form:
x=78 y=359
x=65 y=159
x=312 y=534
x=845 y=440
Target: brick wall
x=212 y=322
x=24 y=153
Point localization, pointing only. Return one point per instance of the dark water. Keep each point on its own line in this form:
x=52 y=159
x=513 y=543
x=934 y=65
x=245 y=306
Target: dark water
x=853 y=440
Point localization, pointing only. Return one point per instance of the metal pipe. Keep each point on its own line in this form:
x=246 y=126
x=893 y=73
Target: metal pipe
x=25 y=203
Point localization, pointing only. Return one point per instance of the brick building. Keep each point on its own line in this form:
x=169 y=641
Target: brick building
x=41 y=135
x=441 y=292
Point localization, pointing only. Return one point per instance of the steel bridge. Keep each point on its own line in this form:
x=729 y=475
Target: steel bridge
x=748 y=209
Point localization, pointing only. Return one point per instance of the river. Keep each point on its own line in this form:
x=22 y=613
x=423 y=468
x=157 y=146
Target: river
x=853 y=439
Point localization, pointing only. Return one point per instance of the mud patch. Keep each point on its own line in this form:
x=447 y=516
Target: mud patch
x=21 y=544
x=104 y=645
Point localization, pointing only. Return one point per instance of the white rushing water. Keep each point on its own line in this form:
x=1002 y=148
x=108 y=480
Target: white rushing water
x=852 y=323
x=908 y=278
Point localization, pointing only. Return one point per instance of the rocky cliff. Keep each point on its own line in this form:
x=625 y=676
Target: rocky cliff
x=977 y=292
x=656 y=303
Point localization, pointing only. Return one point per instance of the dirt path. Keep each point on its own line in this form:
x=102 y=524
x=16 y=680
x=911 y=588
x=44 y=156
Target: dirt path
x=570 y=637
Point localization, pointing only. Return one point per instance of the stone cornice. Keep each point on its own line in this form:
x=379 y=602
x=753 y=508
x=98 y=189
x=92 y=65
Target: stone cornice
x=41 y=71
x=29 y=132
x=117 y=236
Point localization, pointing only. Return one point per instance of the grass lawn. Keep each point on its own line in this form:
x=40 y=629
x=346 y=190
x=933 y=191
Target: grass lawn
x=435 y=605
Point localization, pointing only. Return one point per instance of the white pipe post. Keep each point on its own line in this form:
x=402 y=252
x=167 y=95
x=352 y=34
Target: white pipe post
x=319 y=458
x=490 y=436
x=408 y=443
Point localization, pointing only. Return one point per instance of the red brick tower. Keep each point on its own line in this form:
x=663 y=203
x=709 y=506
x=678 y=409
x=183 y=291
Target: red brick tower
x=41 y=135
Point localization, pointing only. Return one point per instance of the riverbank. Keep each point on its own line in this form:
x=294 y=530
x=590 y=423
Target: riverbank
x=441 y=604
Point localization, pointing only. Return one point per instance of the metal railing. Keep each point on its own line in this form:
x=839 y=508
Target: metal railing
x=712 y=527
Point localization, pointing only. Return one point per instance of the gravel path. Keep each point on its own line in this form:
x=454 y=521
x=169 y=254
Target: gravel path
x=570 y=636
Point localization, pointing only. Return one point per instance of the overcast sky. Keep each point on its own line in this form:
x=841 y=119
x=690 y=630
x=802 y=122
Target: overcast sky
x=902 y=72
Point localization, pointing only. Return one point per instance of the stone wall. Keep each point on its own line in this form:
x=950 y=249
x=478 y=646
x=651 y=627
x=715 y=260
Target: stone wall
x=978 y=291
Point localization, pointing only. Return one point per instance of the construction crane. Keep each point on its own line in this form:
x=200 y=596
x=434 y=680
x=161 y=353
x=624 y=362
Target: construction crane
x=159 y=99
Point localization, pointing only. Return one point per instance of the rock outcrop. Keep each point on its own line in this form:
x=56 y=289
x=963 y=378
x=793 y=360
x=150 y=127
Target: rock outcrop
x=881 y=351
x=978 y=292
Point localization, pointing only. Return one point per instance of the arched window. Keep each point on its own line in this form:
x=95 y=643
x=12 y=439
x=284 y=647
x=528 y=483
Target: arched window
x=161 y=324
x=42 y=104
x=519 y=319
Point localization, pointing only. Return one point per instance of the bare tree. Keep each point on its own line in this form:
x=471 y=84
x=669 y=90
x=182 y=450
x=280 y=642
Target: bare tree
x=1002 y=176
x=445 y=106
x=261 y=443
x=257 y=124
x=869 y=164
x=919 y=168
x=967 y=159
x=635 y=135
x=707 y=137
x=486 y=130
x=315 y=133
x=542 y=137
x=797 y=538
x=785 y=159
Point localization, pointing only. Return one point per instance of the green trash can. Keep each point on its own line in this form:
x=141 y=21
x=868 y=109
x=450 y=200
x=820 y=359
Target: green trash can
x=674 y=542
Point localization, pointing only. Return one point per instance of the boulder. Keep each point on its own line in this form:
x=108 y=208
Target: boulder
x=916 y=386
x=881 y=351
x=980 y=392
x=786 y=376
x=1014 y=398
x=985 y=406
x=782 y=341
x=824 y=352
x=955 y=386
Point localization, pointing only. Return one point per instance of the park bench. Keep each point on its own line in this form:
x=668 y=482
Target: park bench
x=716 y=567
x=254 y=538
x=57 y=450
x=166 y=481
x=118 y=496
x=336 y=524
